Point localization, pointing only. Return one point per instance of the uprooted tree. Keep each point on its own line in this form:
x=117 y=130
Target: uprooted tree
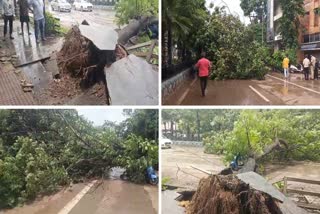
x=227 y=194
x=41 y=150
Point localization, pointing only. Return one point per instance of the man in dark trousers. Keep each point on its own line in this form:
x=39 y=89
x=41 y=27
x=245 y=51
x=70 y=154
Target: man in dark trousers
x=204 y=66
x=24 y=14
x=8 y=16
x=306 y=67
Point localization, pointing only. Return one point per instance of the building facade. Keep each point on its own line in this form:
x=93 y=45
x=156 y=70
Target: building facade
x=309 y=38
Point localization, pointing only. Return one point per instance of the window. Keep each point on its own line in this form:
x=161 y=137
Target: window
x=316 y=20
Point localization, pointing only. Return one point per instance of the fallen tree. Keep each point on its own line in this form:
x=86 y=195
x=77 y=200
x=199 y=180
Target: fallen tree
x=250 y=165
x=220 y=194
x=87 y=50
x=132 y=29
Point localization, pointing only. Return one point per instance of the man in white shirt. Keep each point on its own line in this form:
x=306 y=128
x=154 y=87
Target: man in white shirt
x=312 y=66
x=8 y=13
x=306 y=67
x=38 y=15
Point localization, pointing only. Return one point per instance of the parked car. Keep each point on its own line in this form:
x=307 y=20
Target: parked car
x=60 y=5
x=165 y=143
x=82 y=5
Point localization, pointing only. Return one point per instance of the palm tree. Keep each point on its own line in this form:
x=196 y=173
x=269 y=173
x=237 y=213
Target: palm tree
x=180 y=18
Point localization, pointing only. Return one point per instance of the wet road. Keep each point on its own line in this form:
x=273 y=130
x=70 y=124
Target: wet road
x=108 y=197
x=103 y=17
x=176 y=164
x=274 y=90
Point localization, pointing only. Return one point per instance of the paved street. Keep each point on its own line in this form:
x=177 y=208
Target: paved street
x=103 y=17
x=108 y=197
x=274 y=90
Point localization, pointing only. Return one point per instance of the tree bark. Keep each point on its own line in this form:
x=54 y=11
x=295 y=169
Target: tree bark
x=198 y=125
x=169 y=44
x=132 y=29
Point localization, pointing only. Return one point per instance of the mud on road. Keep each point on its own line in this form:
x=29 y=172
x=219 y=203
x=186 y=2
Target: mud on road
x=177 y=161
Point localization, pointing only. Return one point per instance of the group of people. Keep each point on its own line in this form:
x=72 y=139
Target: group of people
x=35 y=6
x=310 y=66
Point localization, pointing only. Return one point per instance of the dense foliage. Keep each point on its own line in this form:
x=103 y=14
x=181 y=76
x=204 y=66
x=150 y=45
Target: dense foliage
x=131 y=9
x=41 y=150
x=236 y=50
x=233 y=48
x=53 y=26
x=229 y=132
x=256 y=10
x=290 y=22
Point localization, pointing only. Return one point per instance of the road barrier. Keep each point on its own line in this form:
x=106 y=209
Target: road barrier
x=188 y=143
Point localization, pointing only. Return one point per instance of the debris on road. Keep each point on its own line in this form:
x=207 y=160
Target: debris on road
x=26 y=87
x=86 y=52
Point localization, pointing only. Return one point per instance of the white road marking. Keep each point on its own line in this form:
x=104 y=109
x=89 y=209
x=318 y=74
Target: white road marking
x=305 y=88
x=66 y=209
x=186 y=92
x=258 y=93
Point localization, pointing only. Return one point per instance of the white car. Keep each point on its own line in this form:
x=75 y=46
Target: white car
x=82 y=5
x=165 y=143
x=60 y=5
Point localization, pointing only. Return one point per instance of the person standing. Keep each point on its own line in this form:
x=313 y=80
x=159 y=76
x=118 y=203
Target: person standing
x=203 y=66
x=285 y=65
x=8 y=15
x=306 y=67
x=312 y=66
x=316 y=70
x=24 y=14
x=38 y=15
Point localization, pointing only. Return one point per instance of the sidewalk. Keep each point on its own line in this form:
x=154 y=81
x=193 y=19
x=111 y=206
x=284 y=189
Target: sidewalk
x=11 y=91
x=24 y=50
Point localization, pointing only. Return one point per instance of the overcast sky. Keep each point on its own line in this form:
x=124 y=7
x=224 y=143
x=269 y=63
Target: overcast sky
x=98 y=116
x=234 y=6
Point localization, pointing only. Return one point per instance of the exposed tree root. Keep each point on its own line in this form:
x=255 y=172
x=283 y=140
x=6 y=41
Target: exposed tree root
x=220 y=194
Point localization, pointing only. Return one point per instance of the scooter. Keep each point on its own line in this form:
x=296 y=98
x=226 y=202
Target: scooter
x=151 y=176
x=236 y=163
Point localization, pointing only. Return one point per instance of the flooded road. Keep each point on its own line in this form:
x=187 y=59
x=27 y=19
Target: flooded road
x=274 y=90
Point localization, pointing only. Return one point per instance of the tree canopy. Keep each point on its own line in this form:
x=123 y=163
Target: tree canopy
x=229 y=132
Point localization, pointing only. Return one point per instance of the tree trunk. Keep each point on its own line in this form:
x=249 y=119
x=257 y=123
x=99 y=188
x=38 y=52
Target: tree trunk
x=169 y=44
x=171 y=127
x=198 y=125
x=133 y=29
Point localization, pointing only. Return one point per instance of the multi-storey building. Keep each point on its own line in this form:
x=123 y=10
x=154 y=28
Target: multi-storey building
x=309 y=37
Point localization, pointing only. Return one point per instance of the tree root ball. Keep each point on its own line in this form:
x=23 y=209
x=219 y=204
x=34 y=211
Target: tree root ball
x=219 y=194
x=74 y=55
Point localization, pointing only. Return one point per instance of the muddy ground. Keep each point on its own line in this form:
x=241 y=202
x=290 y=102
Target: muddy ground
x=176 y=164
